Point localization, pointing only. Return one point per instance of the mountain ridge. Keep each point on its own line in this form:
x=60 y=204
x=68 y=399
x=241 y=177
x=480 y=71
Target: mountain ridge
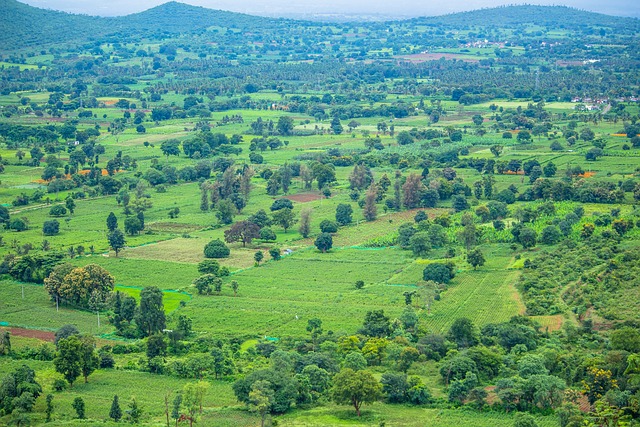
x=25 y=26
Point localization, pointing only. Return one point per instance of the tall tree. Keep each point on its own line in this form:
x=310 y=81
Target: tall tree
x=412 y=191
x=305 y=222
x=370 y=211
x=116 y=241
x=116 y=412
x=68 y=360
x=89 y=360
x=151 y=317
x=112 y=222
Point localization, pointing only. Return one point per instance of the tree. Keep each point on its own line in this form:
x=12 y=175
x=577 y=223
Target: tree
x=464 y=333
x=204 y=283
x=170 y=147
x=475 y=258
x=112 y=222
x=116 y=240
x=395 y=387
x=258 y=256
x=261 y=399
x=89 y=360
x=78 y=406
x=51 y=228
x=134 y=412
x=527 y=237
x=324 y=242
x=343 y=214
x=49 y=408
x=216 y=249
x=115 y=413
x=550 y=235
x=496 y=150
x=370 y=211
x=193 y=396
x=58 y=210
x=355 y=388
x=437 y=272
x=151 y=318
x=412 y=191
x=284 y=218
x=68 y=360
x=70 y=204
x=132 y=225
x=375 y=324
x=243 y=231
x=225 y=210
x=404 y=138
x=305 y=222
x=524 y=420
x=235 y=286
x=336 y=126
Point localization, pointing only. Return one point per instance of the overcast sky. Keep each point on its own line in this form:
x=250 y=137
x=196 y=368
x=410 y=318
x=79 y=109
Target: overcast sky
x=287 y=7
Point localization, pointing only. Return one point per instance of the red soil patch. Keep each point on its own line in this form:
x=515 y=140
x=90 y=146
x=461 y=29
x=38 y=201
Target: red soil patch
x=33 y=333
x=304 y=197
x=423 y=57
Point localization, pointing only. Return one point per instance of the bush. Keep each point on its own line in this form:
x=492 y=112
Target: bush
x=438 y=272
x=18 y=224
x=59 y=384
x=327 y=226
x=58 y=210
x=281 y=204
x=51 y=228
x=216 y=249
x=267 y=234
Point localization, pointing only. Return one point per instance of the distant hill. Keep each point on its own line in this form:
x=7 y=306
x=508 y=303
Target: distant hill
x=552 y=16
x=24 y=26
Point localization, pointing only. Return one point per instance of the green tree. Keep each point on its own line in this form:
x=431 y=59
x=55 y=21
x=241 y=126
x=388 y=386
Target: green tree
x=134 y=412
x=49 y=408
x=336 y=126
x=115 y=413
x=68 y=360
x=475 y=258
x=343 y=214
x=78 y=406
x=151 y=317
x=324 y=242
x=116 y=241
x=285 y=218
x=89 y=360
x=261 y=398
x=464 y=333
x=216 y=249
x=112 y=222
x=355 y=388
x=258 y=257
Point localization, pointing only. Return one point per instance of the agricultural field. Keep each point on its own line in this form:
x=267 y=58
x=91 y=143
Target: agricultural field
x=226 y=220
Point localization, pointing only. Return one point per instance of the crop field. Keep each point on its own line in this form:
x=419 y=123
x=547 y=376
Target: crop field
x=380 y=194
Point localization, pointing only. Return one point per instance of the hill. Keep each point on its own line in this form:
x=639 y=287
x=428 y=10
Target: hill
x=548 y=16
x=24 y=26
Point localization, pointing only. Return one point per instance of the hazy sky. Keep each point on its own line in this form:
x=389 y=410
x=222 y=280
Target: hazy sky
x=386 y=7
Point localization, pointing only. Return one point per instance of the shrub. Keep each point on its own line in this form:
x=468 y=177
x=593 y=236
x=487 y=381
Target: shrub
x=216 y=249
x=51 y=228
x=327 y=226
x=58 y=210
x=438 y=272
